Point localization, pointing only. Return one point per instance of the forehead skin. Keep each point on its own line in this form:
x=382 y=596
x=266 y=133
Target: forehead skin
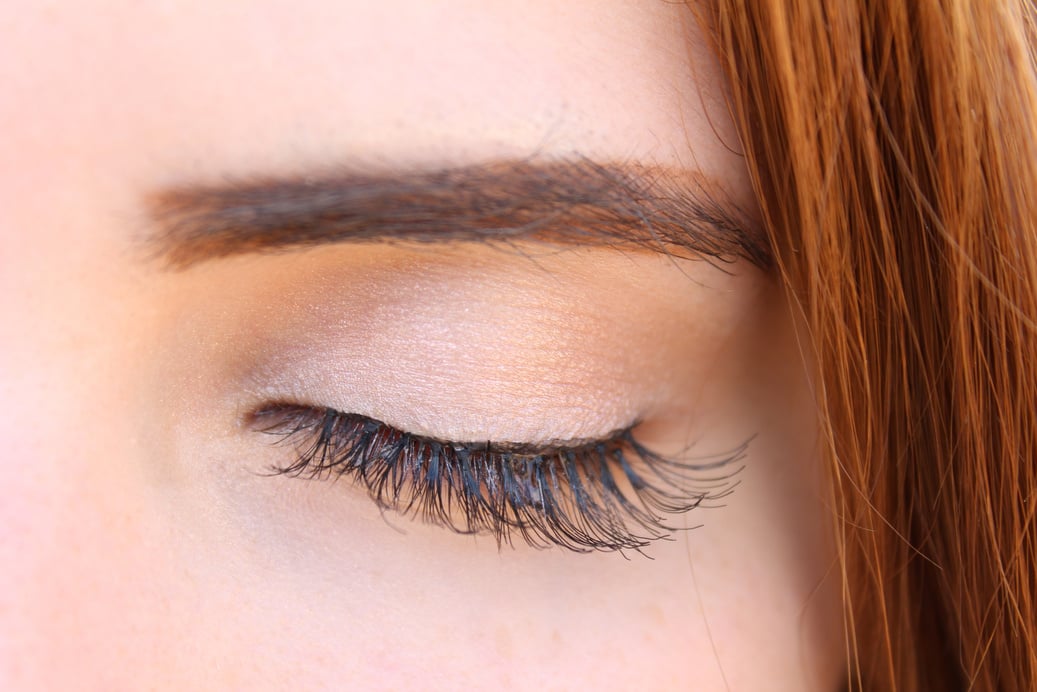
x=103 y=102
x=207 y=84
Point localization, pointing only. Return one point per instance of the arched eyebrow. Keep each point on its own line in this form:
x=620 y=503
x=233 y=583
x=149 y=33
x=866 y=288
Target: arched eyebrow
x=577 y=202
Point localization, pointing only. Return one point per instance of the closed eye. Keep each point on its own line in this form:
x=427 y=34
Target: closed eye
x=590 y=495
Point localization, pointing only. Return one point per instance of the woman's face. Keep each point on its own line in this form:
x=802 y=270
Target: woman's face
x=161 y=162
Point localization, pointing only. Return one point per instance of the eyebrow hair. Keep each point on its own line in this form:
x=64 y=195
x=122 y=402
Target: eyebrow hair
x=569 y=202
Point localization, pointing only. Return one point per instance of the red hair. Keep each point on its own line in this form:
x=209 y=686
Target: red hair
x=893 y=148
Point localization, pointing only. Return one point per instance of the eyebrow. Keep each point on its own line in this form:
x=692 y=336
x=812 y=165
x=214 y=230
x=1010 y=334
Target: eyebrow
x=571 y=202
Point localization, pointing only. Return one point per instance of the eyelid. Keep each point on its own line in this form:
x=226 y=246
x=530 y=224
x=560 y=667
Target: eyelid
x=605 y=495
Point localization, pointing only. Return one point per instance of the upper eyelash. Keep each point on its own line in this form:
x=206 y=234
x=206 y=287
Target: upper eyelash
x=566 y=495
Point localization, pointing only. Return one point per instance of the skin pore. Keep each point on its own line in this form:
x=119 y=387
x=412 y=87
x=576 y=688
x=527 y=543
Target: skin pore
x=142 y=534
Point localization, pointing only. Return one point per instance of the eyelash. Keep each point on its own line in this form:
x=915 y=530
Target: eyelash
x=566 y=495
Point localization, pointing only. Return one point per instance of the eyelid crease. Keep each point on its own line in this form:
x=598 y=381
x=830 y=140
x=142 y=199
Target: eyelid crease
x=606 y=495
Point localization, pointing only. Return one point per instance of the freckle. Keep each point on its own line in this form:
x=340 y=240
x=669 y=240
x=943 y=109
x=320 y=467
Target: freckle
x=655 y=614
x=503 y=642
x=556 y=638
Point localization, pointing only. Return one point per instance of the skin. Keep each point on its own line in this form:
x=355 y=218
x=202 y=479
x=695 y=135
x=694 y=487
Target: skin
x=143 y=545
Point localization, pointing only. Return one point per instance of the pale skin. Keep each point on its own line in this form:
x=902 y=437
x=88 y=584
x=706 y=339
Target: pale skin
x=142 y=543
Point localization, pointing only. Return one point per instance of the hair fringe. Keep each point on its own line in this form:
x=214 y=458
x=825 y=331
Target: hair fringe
x=893 y=146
